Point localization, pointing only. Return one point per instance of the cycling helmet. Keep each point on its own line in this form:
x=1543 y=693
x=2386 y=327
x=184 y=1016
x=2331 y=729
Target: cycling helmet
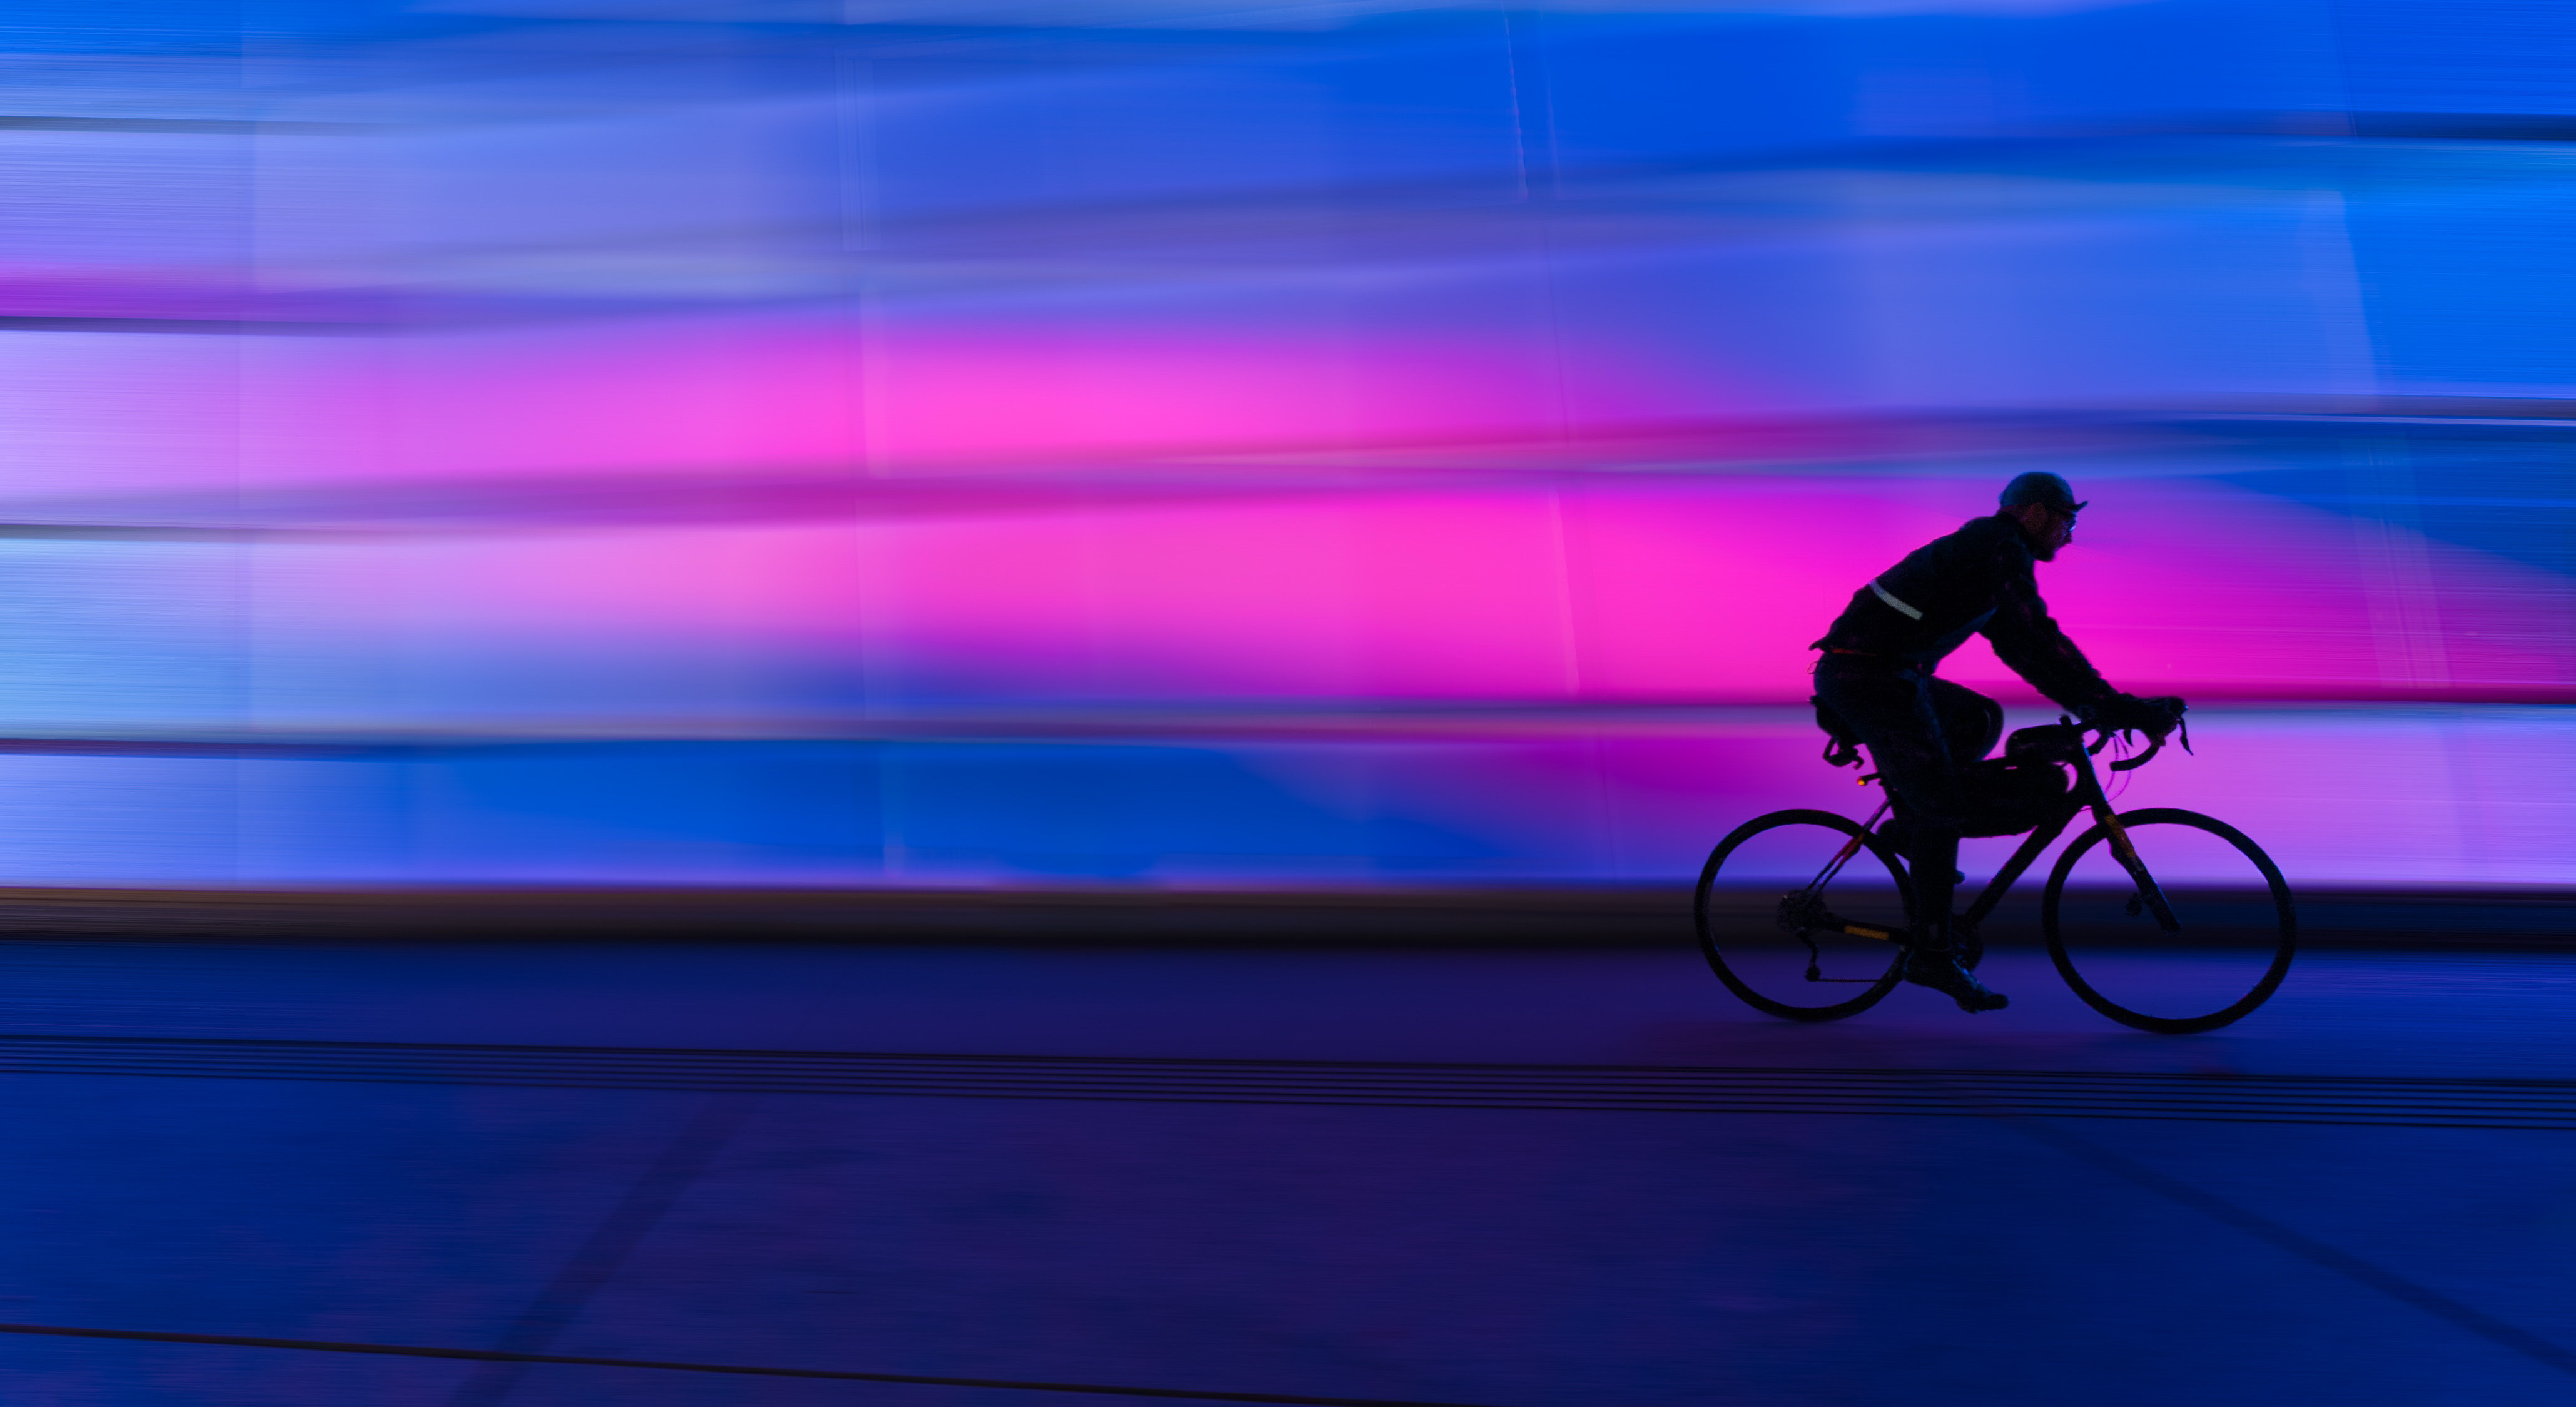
x=2040 y=486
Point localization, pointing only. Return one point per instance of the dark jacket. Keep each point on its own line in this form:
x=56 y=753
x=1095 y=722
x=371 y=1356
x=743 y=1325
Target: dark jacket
x=1976 y=581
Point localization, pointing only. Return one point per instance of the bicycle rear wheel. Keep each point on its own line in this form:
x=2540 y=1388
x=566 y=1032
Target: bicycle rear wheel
x=2238 y=933
x=1804 y=915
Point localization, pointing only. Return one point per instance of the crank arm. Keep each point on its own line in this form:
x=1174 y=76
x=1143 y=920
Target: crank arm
x=1803 y=913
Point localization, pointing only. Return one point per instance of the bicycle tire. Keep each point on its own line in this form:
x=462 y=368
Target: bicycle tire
x=1716 y=937
x=2284 y=915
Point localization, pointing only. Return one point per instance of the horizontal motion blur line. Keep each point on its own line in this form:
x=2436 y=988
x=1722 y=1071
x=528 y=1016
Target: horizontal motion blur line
x=1676 y=184
x=134 y=532
x=1472 y=215
x=1669 y=1089
x=961 y=51
x=2391 y=124
x=186 y=126
x=1586 y=915
x=610 y=498
x=2543 y=413
x=235 y=327
x=482 y=1355
x=1140 y=722
x=1468 y=213
x=563 y=36
x=1368 y=719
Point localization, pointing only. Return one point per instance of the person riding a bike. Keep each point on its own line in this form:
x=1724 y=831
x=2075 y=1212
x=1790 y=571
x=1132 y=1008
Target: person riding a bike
x=1929 y=737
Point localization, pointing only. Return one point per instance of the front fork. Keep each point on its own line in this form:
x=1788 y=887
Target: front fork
x=2149 y=896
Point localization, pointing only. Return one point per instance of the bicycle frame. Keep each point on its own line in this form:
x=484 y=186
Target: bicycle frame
x=2087 y=796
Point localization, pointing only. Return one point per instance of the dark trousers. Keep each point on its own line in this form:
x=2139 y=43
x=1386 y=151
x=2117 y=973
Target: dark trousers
x=1929 y=738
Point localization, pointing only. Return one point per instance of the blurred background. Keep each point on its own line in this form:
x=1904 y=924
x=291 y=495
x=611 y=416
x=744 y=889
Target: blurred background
x=1183 y=444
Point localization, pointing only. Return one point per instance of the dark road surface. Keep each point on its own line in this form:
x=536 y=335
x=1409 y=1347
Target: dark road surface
x=1506 y=1178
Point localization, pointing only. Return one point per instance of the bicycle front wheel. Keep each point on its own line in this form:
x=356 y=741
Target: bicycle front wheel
x=2238 y=926
x=1804 y=914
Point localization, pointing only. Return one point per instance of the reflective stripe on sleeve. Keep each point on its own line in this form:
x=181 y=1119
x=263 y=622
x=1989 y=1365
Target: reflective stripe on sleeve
x=1884 y=595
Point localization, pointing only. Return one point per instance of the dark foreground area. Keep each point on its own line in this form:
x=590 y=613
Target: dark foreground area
x=438 y=1174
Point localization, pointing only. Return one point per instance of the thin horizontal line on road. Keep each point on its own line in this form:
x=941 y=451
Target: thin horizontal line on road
x=1677 y=1089
x=734 y=1369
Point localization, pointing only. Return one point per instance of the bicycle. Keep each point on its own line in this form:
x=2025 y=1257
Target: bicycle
x=2107 y=920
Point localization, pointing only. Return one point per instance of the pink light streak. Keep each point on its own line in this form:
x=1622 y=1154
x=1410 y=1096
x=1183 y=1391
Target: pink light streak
x=1612 y=592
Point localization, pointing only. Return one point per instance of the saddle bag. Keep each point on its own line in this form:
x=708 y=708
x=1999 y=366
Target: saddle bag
x=2049 y=742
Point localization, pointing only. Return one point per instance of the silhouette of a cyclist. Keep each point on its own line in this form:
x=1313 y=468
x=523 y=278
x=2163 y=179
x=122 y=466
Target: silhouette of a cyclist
x=1929 y=737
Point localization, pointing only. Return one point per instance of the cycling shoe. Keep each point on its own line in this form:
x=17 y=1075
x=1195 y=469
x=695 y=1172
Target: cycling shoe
x=1939 y=970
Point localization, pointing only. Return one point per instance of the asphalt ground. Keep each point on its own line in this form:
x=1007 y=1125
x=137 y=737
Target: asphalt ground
x=265 y=1172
